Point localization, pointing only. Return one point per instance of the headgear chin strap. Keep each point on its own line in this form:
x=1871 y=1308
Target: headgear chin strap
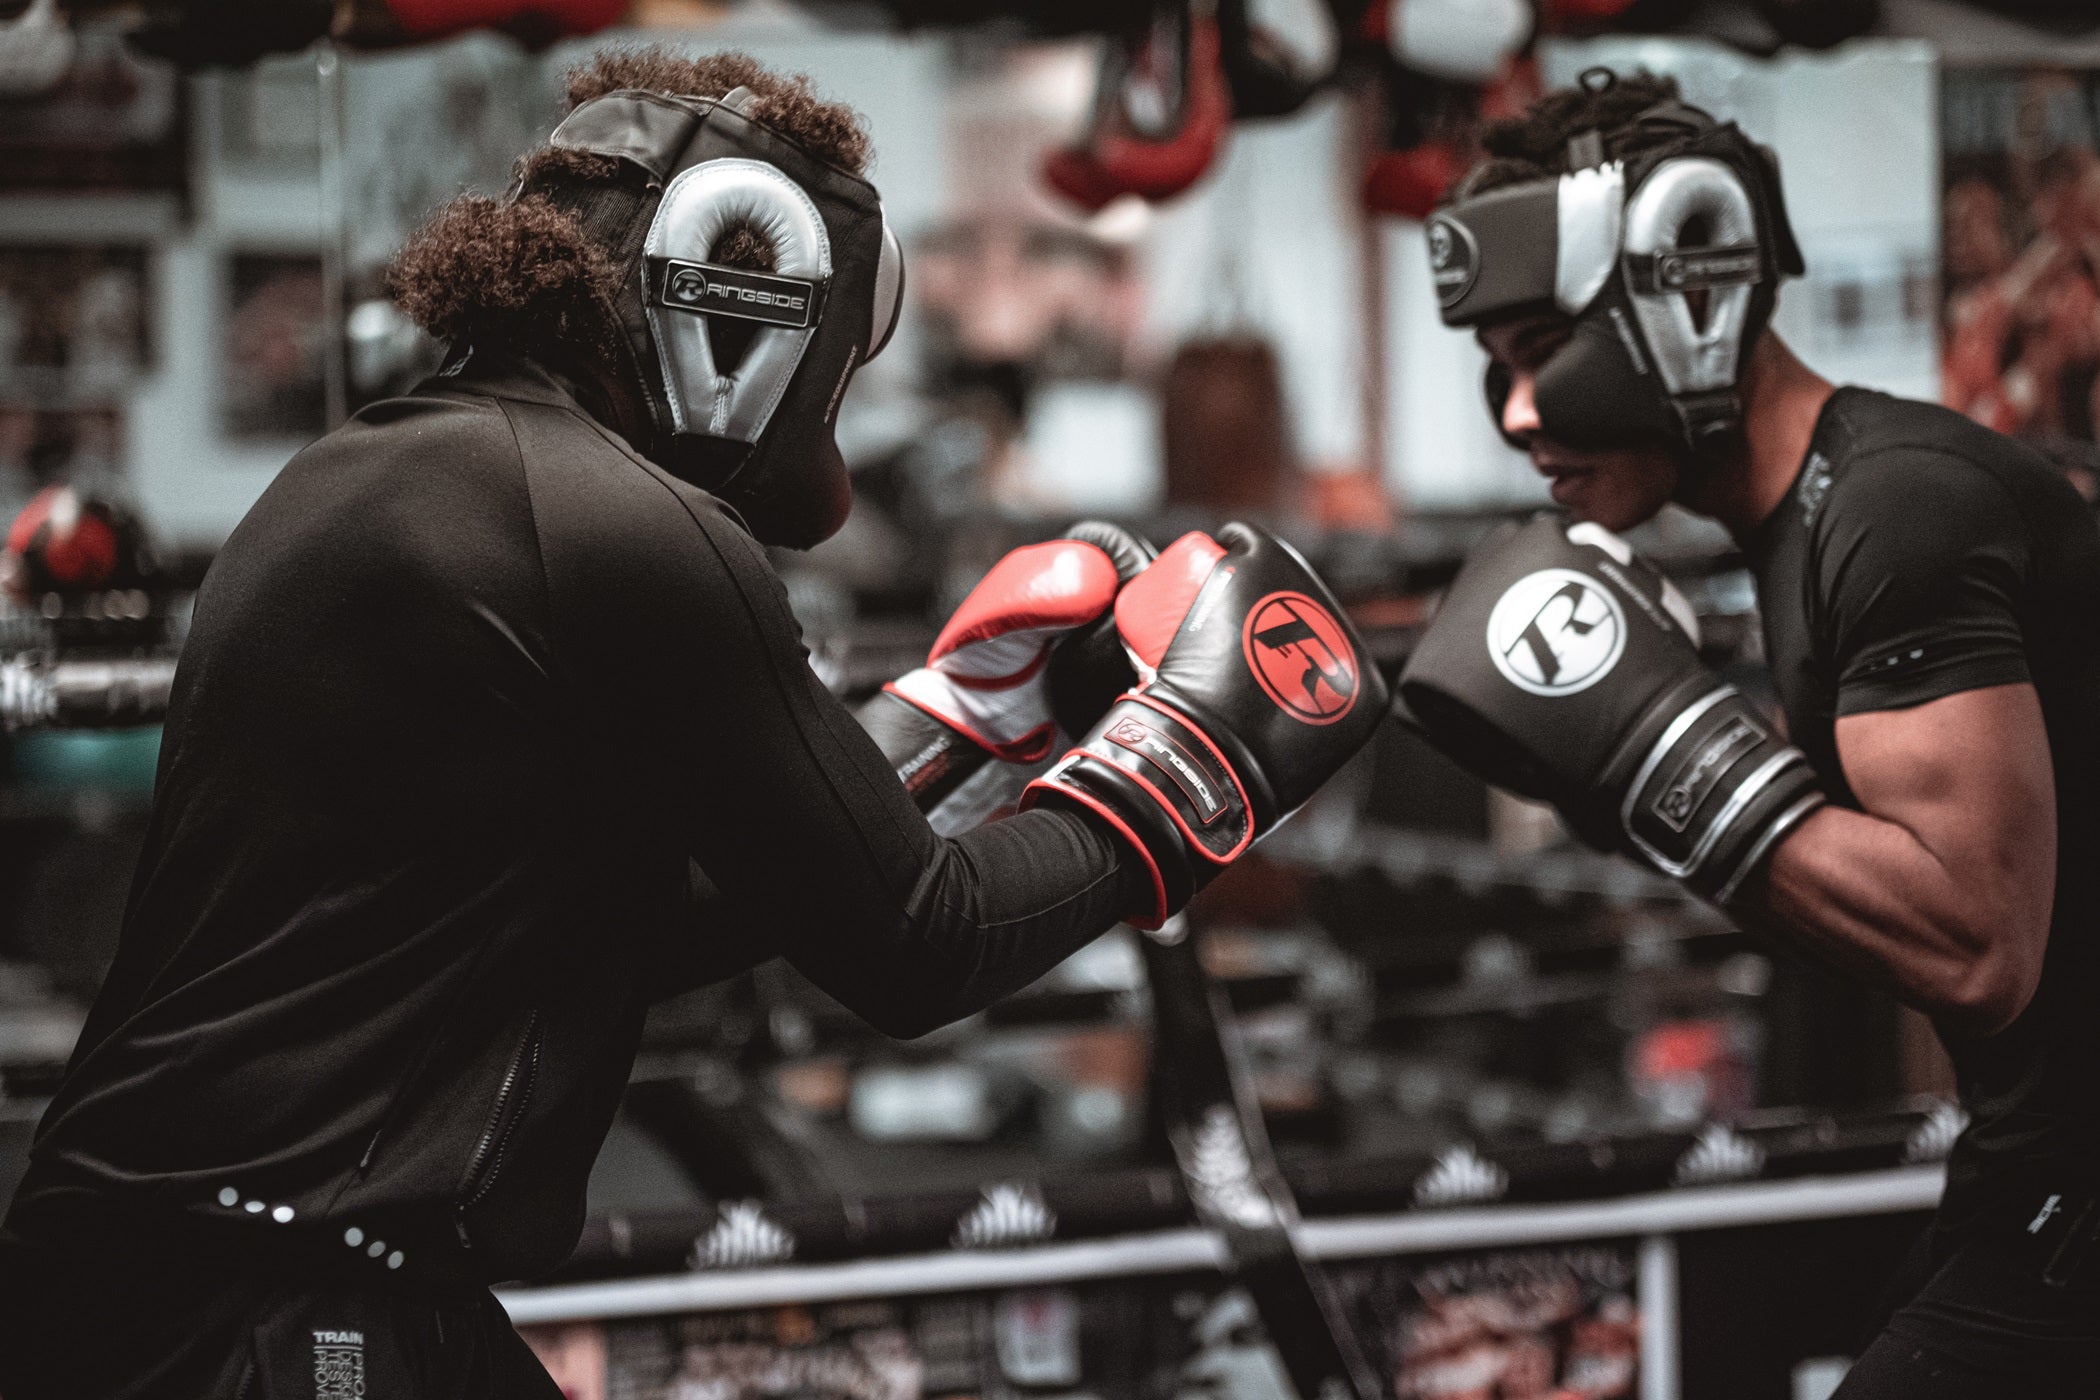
x=741 y=371
x=1621 y=246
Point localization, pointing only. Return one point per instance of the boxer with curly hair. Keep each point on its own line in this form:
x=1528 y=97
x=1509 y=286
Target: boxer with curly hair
x=493 y=726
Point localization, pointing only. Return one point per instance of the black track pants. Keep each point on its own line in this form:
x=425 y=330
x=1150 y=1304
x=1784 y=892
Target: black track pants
x=145 y=1328
x=1985 y=1325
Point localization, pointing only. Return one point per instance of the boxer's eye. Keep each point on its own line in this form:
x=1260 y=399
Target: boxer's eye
x=1524 y=348
x=1534 y=348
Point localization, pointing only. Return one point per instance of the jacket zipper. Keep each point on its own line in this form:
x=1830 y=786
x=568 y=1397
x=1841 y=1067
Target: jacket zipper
x=512 y=1095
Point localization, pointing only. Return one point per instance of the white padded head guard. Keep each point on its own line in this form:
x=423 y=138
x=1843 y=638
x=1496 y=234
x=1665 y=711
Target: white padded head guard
x=741 y=368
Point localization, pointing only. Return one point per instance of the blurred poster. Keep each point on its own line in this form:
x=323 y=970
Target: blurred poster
x=275 y=347
x=2020 y=345
x=1533 y=1324
x=106 y=121
x=465 y=108
x=38 y=446
x=72 y=322
x=1109 y=1338
x=574 y=1355
x=846 y=1351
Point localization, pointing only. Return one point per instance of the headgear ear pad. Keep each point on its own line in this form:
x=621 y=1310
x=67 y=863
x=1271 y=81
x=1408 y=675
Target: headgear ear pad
x=1642 y=364
x=1598 y=390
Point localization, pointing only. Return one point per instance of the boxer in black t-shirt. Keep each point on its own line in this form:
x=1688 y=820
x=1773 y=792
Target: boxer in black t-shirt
x=1928 y=590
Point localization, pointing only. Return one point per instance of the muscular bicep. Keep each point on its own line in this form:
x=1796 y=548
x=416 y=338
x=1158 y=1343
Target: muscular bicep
x=1941 y=886
x=1969 y=776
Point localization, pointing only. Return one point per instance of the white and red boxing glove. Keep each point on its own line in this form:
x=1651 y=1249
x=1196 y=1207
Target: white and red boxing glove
x=1162 y=111
x=1024 y=651
x=1253 y=690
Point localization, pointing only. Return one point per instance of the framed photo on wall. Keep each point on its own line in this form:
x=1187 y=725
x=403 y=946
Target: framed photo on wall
x=2020 y=298
x=73 y=321
x=273 y=349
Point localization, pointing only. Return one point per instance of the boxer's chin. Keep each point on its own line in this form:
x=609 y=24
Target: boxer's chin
x=1617 y=490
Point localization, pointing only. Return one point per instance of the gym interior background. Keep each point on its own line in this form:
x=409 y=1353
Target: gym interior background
x=1556 y=1129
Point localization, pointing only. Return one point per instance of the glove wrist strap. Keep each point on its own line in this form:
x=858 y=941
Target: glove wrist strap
x=1177 y=767
x=1165 y=787
x=1714 y=791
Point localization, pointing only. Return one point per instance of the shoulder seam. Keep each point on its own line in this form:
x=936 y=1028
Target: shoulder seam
x=532 y=512
x=1933 y=450
x=752 y=612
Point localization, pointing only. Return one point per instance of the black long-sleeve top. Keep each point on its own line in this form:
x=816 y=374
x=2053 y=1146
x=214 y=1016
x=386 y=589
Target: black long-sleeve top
x=473 y=698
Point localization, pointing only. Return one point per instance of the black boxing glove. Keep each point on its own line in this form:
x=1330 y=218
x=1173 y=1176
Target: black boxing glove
x=1253 y=690
x=1563 y=667
x=1030 y=651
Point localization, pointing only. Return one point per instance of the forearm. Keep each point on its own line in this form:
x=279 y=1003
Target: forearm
x=907 y=928
x=993 y=911
x=950 y=960
x=1869 y=895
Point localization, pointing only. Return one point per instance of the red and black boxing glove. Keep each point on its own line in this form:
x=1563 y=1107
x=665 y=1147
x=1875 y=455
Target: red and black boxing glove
x=1253 y=690
x=1030 y=652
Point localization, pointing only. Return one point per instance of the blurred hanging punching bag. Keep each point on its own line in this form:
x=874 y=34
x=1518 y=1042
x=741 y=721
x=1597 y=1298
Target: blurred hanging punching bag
x=1226 y=443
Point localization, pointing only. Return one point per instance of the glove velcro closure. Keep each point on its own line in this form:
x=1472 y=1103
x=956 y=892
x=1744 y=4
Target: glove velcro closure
x=1714 y=789
x=1166 y=788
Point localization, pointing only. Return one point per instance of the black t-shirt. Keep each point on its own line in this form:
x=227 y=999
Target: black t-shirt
x=1917 y=556
x=489 y=732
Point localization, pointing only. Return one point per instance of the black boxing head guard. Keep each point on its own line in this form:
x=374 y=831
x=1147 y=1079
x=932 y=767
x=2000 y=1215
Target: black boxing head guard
x=741 y=371
x=1622 y=246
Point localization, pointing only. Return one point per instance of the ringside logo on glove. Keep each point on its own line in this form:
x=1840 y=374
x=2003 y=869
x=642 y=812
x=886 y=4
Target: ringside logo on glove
x=1178 y=762
x=1556 y=632
x=1298 y=652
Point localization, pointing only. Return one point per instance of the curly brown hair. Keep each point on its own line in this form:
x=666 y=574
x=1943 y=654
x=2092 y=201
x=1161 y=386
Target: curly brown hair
x=526 y=271
x=1534 y=145
x=783 y=101
x=522 y=271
